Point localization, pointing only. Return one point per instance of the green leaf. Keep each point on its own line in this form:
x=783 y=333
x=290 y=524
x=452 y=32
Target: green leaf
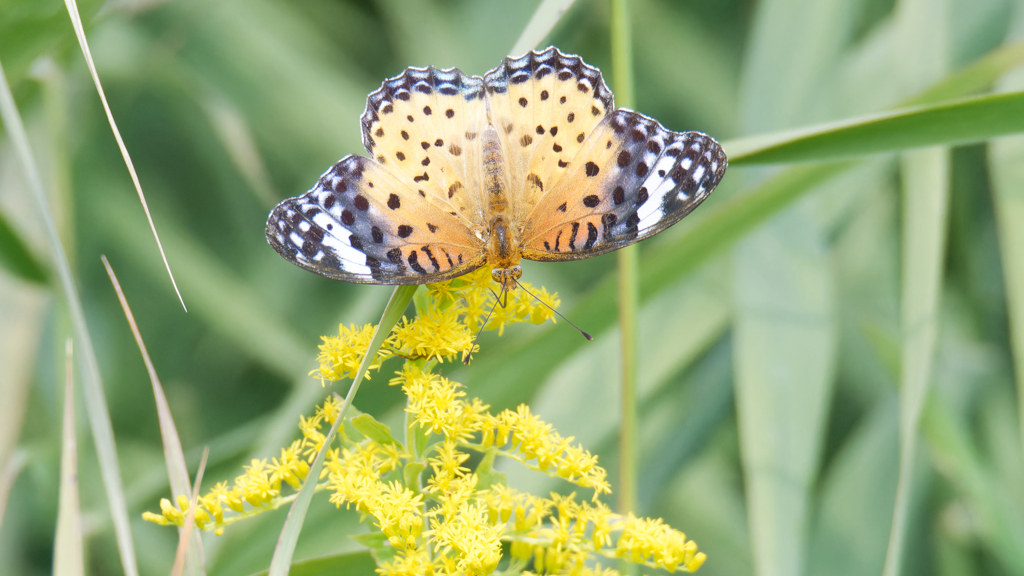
x=1006 y=163
x=350 y=563
x=421 y=439
x=486 y=473
x=371 y=539
x=958 y=122
x=368 y=426
x=221 y=298
x=411 y=473
x=16 y=257
x=384 y=554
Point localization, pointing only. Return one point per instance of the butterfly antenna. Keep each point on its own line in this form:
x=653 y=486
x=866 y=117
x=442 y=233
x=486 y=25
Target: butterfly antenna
x=585 y=335
x=497 y=299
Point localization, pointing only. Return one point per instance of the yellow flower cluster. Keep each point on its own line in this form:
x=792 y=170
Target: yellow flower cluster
x=259 y=487
x=438 y=403
x=432 y=512
x=446 y=322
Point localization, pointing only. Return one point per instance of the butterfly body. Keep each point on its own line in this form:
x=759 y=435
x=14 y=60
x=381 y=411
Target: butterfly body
x=531 y=161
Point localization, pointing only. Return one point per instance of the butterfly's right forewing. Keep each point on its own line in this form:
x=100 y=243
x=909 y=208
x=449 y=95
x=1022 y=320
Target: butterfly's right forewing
x=631 y=179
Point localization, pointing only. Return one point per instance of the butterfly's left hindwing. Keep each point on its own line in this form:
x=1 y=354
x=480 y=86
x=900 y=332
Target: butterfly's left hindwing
x=631 y=179
x=362 y=224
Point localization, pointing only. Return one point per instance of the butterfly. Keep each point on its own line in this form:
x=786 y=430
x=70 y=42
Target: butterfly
x=531 y=161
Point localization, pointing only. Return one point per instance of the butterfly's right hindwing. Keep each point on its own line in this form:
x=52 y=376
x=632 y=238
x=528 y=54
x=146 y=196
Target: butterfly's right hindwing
x=362 y=224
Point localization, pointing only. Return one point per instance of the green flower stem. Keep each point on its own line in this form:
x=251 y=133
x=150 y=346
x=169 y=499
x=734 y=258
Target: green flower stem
x=622 y=76
x=282 y=559
x=274 y=504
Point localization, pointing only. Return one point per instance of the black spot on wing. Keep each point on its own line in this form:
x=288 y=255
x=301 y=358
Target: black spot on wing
x=413 y=259
x=433 y=260
x=591 y=236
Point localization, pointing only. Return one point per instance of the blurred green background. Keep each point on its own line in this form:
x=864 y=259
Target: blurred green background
x=776 y=369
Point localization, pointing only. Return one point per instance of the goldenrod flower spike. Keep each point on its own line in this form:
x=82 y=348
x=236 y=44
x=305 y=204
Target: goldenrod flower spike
x=453 y=521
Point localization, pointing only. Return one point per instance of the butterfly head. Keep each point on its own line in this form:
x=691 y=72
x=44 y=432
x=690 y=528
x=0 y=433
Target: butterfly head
x=507 y=277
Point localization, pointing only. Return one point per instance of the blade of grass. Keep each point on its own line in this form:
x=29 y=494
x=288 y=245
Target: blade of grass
x=544 y=19
x=628 y=260
x=174 y=456
x=1000 y=525
x=68 y=559
x=282 y=560
x=184 y=557
x=240 y=144
x=785 y=328
x=23 y=312
x=922 y=28
x=849 y=533
x=925 y=206
x=978 y=76
x=8 y=474
x=76 y=21
x=15 y=256
x=92 y=384
x=958 y=122
x=687 y=424
x=785 y=335
x=1006 y=165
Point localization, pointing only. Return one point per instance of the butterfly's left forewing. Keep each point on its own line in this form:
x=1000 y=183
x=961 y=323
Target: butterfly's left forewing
x=362 y=223
x=631 y=179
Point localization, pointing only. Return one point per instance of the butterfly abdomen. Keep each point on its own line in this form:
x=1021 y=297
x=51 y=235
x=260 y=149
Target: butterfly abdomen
x=495 y=176
x=503 y=239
